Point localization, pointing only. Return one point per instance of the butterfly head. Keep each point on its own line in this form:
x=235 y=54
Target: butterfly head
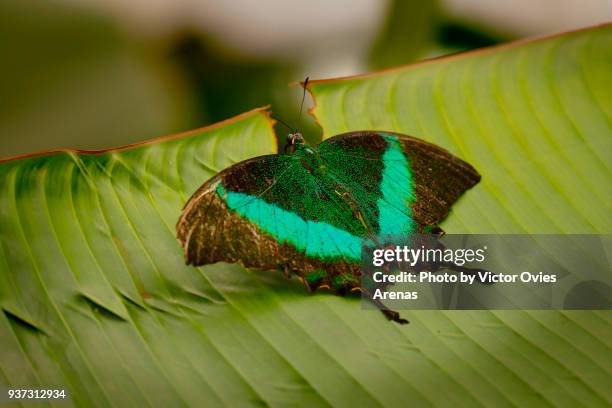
x=294 y=139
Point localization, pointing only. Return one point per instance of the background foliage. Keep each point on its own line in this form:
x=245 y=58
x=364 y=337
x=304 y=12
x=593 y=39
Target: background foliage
x=78 y=77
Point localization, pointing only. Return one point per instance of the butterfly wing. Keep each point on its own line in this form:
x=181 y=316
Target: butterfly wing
x=277 y=211
x=271 y=212
x=405 y=183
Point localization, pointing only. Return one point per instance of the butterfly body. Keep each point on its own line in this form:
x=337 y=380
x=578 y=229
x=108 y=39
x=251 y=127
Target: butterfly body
x=309 y=211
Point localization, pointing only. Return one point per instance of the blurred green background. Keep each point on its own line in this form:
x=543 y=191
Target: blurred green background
x=94 y=74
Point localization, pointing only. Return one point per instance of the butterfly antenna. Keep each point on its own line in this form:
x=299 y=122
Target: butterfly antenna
x=303 y=97
x=291 y=128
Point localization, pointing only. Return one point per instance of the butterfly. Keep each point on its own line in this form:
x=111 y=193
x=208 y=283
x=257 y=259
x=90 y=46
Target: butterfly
x=307 y=211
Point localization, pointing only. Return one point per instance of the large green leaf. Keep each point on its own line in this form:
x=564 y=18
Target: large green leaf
x=96 y=298
x=536 y=120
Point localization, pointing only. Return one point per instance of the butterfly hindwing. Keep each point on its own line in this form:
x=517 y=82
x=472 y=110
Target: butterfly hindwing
x=417 y=180
x=376 y=170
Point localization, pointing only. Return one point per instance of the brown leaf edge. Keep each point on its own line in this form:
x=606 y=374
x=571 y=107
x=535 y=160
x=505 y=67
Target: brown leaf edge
x=434 y=60
x=263 y=110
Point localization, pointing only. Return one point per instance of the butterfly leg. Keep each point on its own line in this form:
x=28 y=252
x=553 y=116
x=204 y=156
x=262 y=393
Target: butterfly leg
x=394 y=316
x=306 y=284
x=437 y=231
x=286 y=271
x=389 y=314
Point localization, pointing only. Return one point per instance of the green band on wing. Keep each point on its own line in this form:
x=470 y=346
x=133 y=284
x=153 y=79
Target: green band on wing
x=396 y=186
x=316 y=239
